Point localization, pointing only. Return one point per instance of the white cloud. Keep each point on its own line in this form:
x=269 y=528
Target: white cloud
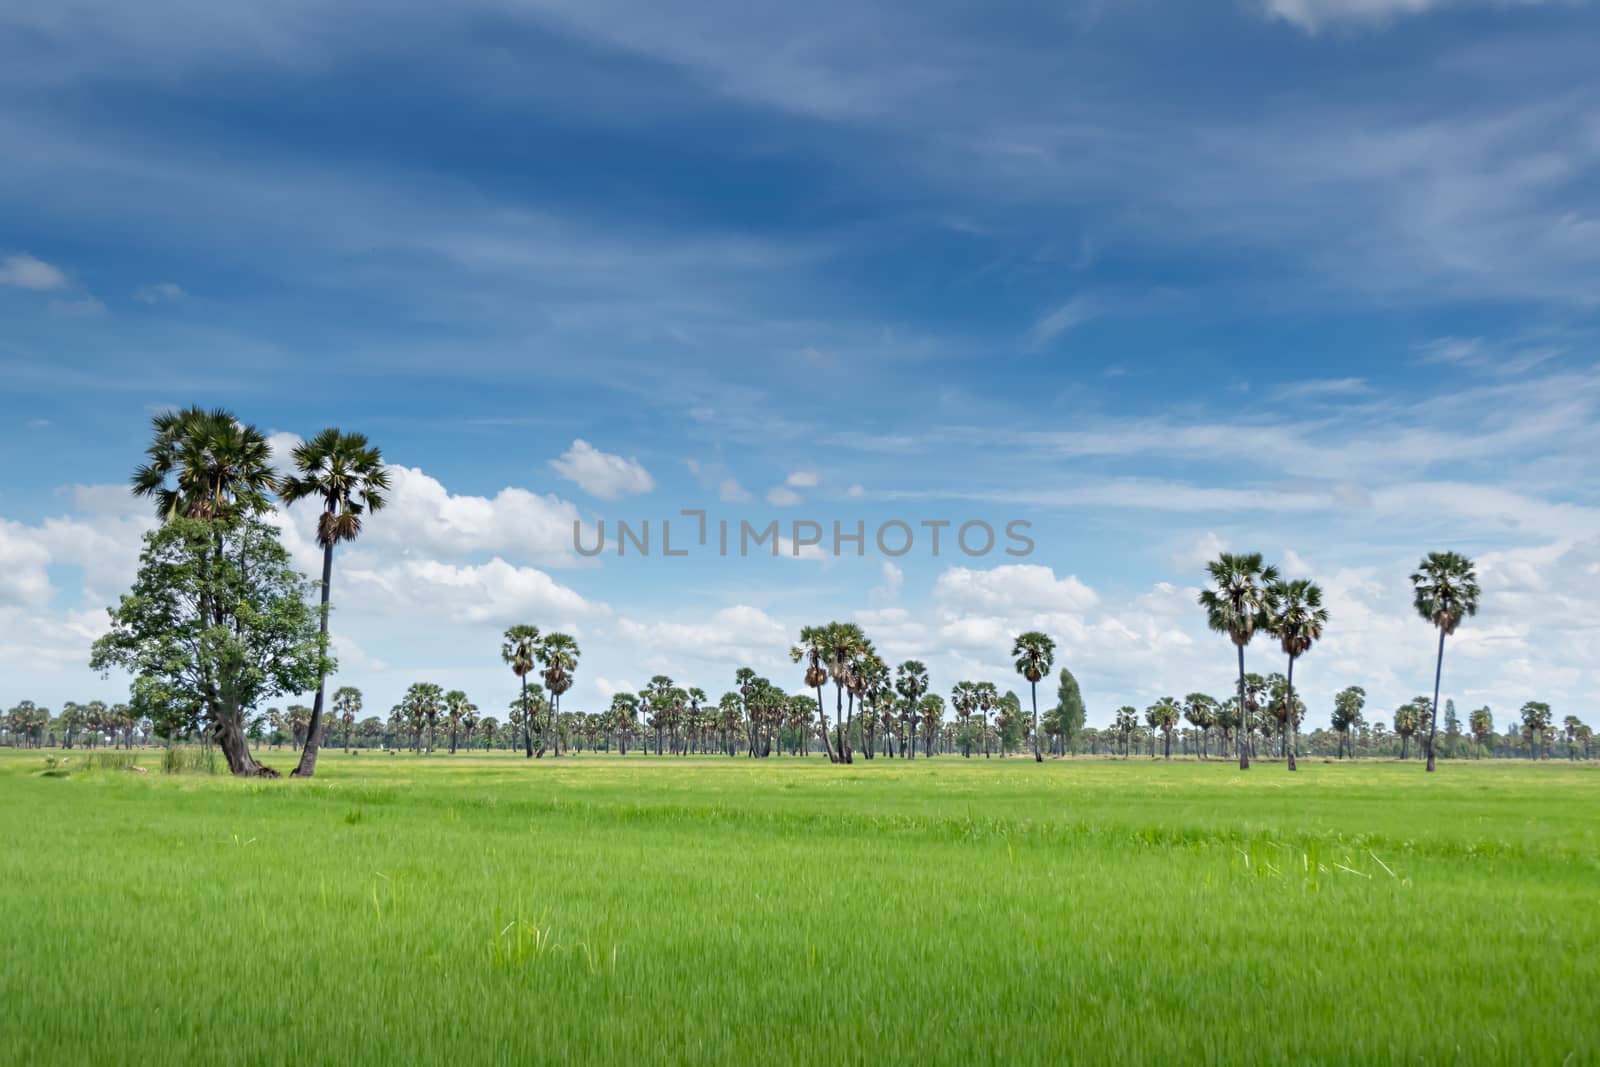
x=893 y=579
x=783 y=497
x=802 y=480
x=856 y=491
x=83 y=307
x=731 y=492
x=160 y=293
x=740 y=633
x=1313 y=15
x=1074 y=313
x=26 y=272
x=1011 y=589
x=601 y=474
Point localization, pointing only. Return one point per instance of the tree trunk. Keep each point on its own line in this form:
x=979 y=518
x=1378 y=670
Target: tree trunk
x=1433 y=726
x=1244 y=715
x=822 y=713
x=228 y=730
x=1033 y=692
x=527 y=721
x=1288 y=714
x=308 y=755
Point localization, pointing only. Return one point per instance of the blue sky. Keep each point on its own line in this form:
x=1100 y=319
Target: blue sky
x=1316 y=277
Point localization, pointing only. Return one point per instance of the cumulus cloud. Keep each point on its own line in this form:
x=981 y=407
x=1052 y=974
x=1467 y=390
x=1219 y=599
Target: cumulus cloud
x=25 y=272
x=783 y=497
x=1022 y=587
x=731 y=492
x=802 y=480
x=602 y=474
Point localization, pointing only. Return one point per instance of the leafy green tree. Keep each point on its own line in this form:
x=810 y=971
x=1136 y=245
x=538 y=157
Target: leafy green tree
x=1452 y=730
x=1069 y=713
x=1034 y=654
x=1238 y=605
x=344 y=473
x=216 y=622
x=519 y=650
x=1446 y=591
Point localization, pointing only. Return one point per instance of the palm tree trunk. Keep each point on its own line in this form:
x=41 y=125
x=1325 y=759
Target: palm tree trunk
x=1433 y=727
x=1288 y=714
x=308 y=754
x=527 y=720
x=1244 y=713
x=1033 y=692
x=822 y=713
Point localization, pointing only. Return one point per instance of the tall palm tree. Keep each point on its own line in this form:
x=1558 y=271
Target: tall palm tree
x=1407 y=719
x=814 y=648
x=1347 y=715
x=911 y=682
x=456 y=708
x=1481 y=724
x=558 y=655
x=1035 y=654
x=1238 y=606
x=347 y=704
x=1297 y=618
x=347 y=476
x=1536 y=718
x=1163 y=715
x=1201 y=711
x=1446 y=587
x=520 y=650
x=845 y=645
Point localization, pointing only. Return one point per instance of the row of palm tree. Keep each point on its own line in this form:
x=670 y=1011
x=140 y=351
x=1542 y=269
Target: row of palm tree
x=1248 y=595
x=207 y=464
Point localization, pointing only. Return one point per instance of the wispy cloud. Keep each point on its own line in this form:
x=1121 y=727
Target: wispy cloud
x=26 y=272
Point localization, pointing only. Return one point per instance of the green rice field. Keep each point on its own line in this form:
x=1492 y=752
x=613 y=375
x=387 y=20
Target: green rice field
x=484 y=908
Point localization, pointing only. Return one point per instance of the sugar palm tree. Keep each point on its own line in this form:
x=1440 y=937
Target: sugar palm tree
x=1407 y=720
x=1536 y=718
x=1164 y=715
x=1035 y=654
x=1297 y=617
x=814 y=649
x=845 y=645
x=205 y=465
x=346 y=475
x=456 y=708
x=1446 y=588
x=1201 y=711
x=1481 y=724
x=519 y=650
x=558 y=655
x=1238 y=606
x=347 y=705
x=911 y=682
x=1347 y=715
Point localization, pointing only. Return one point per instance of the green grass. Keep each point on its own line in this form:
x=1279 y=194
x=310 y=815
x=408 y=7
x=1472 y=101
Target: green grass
x=484 y=909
